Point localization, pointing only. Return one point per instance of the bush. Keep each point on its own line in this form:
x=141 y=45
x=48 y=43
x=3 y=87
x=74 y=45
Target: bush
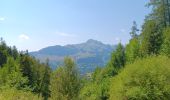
x=14 y=94
x=146 y=79
x=97 y=90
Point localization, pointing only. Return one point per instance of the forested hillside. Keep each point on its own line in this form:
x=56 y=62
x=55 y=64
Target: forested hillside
x=87 y=55
x=21 y=76
x=138 y=71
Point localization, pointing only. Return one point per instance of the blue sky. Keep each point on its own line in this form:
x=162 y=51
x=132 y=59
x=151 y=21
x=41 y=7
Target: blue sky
x=34 y=24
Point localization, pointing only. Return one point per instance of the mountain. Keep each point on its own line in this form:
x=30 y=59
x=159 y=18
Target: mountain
x=87 y=55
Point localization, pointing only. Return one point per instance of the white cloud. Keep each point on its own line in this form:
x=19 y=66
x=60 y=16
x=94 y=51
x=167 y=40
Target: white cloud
x=2 y=18
x=23 y=37
x=65 y=34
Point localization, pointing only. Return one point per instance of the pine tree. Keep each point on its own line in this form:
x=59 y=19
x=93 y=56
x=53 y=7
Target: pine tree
x=117 y=60
x=134 y=30
x=3 y=52
x=26 y=66
x=11 y=75
x=45 y=91
x=151 y=38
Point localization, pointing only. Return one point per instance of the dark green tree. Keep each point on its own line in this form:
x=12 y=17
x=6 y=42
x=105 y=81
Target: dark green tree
x=3 y=52
x=151 y=38
x=117 y=60
x=11 y=75
x=152 y=30
x=26 y=68
x=45 y=91
x=160 y=12
x=14 y=52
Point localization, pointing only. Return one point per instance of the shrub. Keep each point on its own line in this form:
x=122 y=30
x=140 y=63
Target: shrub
x=146 y=79
x=14 y=94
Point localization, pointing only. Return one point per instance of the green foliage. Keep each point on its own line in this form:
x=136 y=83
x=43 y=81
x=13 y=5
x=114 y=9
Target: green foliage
x=165 y=49
x=98 y=88
x=117 y=60
x=160 y=12
x=95 y=90
x=3 y=52
x=132 y=50
x=151 y=38
x=26 y=65
x=46 y=82
x=65 y=82
x=20 y=71
x=11 y=76
x=14 y=94
x=146 y=79
x=38 y=75
x=90 y=92
x=153 y=27
x=24 y=78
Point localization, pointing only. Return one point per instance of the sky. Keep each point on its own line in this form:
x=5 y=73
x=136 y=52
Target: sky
x=35 y=24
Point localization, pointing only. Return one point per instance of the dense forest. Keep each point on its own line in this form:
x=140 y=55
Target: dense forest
x=139 y=70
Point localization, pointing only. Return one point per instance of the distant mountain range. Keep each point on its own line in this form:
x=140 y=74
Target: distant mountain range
x=87 y=55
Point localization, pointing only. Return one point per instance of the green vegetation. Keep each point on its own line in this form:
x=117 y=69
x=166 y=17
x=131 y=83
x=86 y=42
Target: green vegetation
x=138 y=71
x=165 y=48
x=27 y=77
x=65 y=84
x=145 y=79
x=13 y=94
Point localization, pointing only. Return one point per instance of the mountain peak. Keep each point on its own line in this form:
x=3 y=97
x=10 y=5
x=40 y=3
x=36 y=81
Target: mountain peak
x=93 y=41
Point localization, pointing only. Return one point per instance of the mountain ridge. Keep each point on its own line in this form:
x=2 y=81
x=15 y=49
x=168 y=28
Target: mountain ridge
x=87 y=55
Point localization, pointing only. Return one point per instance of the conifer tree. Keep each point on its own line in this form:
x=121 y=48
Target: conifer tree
x=117 y=60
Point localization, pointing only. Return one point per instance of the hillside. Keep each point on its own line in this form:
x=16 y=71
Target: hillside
x=87 y=55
